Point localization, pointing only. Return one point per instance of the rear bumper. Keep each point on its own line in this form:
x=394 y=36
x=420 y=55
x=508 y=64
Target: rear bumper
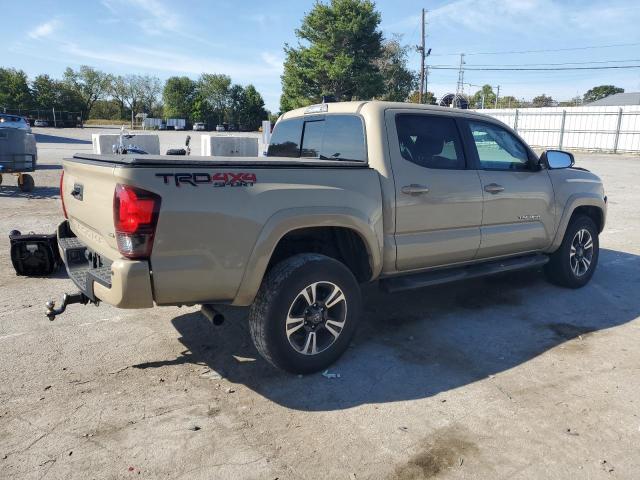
x=121 y=283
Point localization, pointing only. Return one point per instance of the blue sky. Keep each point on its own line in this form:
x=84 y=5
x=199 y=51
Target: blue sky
x=244 y=39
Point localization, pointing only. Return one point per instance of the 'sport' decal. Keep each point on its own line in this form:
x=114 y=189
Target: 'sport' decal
x=228 y=179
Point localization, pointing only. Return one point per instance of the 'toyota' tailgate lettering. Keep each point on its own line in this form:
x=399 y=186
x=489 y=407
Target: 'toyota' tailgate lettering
x=218 y=179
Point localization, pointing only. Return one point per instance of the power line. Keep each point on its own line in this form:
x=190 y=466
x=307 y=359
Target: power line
x=536 y=69
x=543 y=64
x=544 y=50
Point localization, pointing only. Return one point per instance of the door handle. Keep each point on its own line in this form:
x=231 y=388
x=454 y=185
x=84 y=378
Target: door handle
x=494 y=188
x=415 y=189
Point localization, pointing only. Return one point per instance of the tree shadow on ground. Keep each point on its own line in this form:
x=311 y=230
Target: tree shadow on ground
x=420 y=343
x=44 y=138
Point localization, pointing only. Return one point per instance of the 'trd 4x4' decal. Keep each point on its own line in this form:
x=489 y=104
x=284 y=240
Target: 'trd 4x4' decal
x=229 y=179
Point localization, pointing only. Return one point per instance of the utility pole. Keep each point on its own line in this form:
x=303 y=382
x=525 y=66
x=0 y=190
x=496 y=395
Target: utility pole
x=497 y=96
x=426 y=78
x=422 y=57
x=460 y=86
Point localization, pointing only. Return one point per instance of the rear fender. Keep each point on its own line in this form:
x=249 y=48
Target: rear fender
x=285 y=221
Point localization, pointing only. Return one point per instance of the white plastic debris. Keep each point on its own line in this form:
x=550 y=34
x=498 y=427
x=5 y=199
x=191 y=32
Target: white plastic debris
x=326 y=374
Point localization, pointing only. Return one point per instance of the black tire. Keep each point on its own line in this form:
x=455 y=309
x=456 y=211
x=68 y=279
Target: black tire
x=27 y=183
x=282 y=291
x=560 y=269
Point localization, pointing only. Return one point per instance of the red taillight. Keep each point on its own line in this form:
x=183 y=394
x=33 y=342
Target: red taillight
x=64 y=208
x=135 y=215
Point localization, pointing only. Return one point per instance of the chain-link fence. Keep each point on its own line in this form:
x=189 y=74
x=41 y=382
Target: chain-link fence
x=54 y=118
x=604 y=129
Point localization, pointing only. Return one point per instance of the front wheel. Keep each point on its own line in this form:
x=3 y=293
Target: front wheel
x=305 y=313
x=574 y=263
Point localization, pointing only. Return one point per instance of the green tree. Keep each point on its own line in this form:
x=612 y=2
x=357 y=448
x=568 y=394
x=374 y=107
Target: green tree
x=596 y=93
x=428 y=98
x=574 y=102
x=483 y=98
x=252 y=111
x=508 y=101
x=339 y=46
x=178 y=96
x=14 y=89
x=543 y=101
x=50 y=93
x=399 y=81
x=150 y=90
x=124 y=89
x=200 y=111
x=107 y=109
x=138 y=93
x=237 y=99
x=46 y=92
x=214 y=90
x=89 y=84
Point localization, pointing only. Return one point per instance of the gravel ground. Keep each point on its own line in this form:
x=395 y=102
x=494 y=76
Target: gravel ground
x=507 y=377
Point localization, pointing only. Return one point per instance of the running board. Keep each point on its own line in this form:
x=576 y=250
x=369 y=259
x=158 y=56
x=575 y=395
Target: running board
x=428 y=279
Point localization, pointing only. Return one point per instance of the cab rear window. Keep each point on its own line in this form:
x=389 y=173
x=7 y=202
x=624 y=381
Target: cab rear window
x=322 y=137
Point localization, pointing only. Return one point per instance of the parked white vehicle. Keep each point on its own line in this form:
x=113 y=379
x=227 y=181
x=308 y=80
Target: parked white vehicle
x=199 y=126
x=176 y=123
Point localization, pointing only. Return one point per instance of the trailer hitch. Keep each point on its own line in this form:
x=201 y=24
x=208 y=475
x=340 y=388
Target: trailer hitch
x=67 y=299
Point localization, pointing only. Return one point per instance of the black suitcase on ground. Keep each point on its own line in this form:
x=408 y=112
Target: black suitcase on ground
x=34 y=255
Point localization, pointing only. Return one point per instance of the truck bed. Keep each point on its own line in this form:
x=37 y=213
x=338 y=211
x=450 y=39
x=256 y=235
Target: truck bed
x=219 y=218
x=198 y=161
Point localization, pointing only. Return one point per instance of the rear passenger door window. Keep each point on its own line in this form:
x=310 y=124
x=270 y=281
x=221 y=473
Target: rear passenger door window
x=430 y=141
x=497 y=148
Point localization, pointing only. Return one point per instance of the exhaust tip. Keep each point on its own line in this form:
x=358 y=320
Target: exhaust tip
x=212 y=315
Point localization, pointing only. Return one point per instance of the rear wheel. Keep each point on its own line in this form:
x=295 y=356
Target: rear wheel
x=25 y=182
x=305 y=313
x=574 y=263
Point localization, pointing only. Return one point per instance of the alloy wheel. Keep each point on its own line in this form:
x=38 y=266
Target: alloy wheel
x=316 y=318
x=581 y=252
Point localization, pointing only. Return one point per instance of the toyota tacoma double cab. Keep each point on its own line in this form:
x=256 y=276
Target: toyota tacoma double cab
x=407 y=195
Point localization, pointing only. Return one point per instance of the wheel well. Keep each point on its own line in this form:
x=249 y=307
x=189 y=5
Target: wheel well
x=340 y=243
x=594 y=213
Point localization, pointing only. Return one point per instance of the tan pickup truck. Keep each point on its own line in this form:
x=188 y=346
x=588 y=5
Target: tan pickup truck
x=349 y=193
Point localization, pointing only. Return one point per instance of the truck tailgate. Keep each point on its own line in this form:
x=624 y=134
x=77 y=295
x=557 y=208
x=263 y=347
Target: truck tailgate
x=87 y=192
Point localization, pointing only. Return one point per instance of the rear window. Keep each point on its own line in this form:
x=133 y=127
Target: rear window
x=328 y=137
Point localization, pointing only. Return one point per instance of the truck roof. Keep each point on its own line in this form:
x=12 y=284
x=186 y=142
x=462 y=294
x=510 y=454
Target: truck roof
x=357 y=106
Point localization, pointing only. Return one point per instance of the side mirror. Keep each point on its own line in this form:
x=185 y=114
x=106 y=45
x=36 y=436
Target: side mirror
x=555 y=159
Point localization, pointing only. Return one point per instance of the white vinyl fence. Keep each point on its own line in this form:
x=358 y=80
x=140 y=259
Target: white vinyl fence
x=606 y=129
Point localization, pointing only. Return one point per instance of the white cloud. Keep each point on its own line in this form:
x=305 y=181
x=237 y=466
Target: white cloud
x=273 y=60
x=527 y=18
x=44 y=29
x=175 y=62
x=264 y=19
x=152 y=16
